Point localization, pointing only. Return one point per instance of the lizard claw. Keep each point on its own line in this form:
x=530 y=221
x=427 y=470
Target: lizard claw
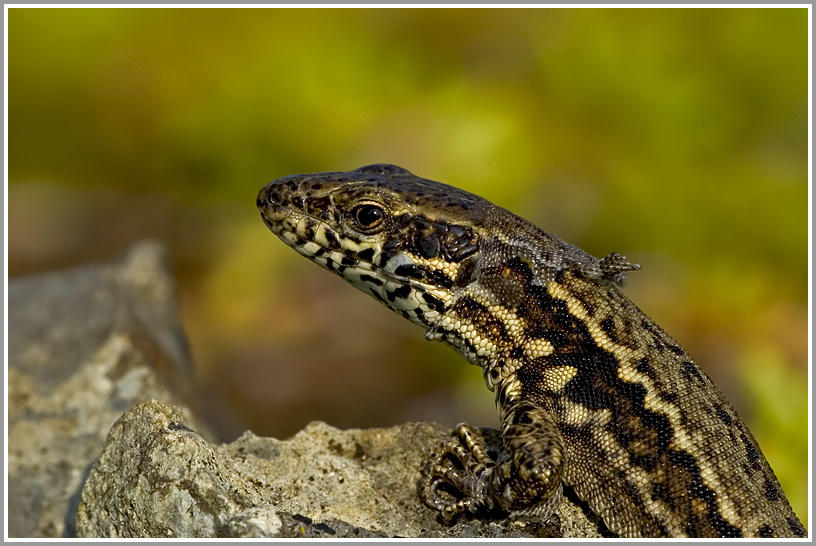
x=457 y=482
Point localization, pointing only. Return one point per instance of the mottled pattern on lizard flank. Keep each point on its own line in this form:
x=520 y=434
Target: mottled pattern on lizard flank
x=592 y=394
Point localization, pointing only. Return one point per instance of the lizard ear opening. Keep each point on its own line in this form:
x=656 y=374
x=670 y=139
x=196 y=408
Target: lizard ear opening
x=466 y=273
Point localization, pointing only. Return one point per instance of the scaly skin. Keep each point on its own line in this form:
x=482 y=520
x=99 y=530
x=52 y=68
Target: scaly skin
x=591 y=393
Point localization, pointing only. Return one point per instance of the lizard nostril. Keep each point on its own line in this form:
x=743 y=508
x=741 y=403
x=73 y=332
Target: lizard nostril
x=271 y=196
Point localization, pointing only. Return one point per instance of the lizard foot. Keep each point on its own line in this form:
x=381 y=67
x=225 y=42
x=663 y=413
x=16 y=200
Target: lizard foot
x=523 y=481
x=457 y=482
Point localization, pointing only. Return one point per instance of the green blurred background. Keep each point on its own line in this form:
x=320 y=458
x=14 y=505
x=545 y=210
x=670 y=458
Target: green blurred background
x=677 y=137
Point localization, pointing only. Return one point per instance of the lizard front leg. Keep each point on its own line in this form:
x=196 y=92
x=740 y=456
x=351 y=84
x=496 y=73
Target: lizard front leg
x=525 y=479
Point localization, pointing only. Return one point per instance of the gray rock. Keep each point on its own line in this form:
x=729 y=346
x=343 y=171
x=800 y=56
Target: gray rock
x=158 y=478
x=84 y=345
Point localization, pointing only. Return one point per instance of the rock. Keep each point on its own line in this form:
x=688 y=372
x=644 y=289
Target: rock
x=156 y=477
x=84 y=345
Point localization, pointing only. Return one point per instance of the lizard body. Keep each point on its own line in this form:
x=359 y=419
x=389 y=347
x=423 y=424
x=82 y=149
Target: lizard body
x=592 y=394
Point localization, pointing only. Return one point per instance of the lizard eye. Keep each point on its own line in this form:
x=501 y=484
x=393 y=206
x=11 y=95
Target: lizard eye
x=368 y=216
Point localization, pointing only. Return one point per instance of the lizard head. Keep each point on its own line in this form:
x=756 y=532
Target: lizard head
x=407 y=241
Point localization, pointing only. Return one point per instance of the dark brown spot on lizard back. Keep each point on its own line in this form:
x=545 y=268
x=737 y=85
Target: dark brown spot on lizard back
x=691 y=372
x=609 y=328
x=772 y=492
x=765 y=532
x=724 y=416
x=796 y=527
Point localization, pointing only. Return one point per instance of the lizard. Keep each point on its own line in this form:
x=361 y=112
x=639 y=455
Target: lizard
x=591 y=393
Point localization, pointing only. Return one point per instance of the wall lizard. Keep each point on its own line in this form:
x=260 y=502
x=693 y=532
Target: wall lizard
x=592 y=394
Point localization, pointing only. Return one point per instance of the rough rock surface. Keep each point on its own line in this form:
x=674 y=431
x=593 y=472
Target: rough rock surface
x=84 y=345
x=156 y=477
